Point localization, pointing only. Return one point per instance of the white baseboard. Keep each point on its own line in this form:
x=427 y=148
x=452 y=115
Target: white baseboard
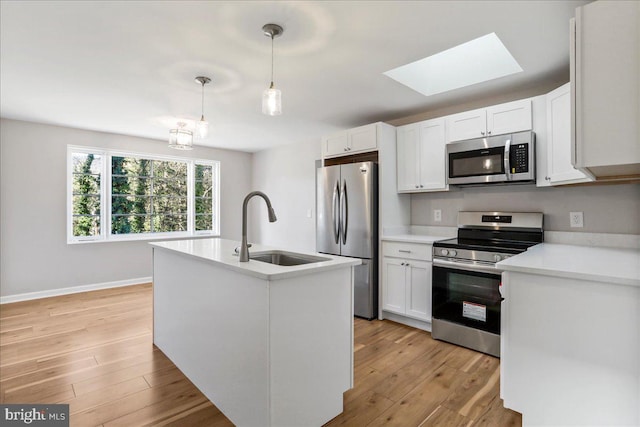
x=72 y=290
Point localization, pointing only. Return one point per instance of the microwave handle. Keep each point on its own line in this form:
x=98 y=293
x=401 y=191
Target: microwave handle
x=507 y=162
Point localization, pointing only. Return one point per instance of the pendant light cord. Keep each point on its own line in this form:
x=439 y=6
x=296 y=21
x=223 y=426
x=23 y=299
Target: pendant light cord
x=202 y=116
x=271 y=60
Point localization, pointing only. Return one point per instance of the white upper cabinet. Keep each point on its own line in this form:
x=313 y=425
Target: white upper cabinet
x=352 y=141
x=495 y=120
x=605 y=72
x=559 y=167
x=467 y=125
x=421 y=157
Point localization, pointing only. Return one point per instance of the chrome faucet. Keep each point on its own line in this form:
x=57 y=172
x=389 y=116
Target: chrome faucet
x=244 y=248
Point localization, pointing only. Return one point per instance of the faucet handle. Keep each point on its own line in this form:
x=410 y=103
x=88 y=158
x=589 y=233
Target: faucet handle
x=237 y=250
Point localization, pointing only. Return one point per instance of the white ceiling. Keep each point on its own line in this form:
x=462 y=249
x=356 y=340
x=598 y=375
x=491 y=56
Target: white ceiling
x=127 y=67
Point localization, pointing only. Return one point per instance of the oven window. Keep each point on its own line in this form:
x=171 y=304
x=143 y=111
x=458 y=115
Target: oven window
x=467 y=298
x=477 y=163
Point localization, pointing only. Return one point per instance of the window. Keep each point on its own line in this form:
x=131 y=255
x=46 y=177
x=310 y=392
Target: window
x=124 y=196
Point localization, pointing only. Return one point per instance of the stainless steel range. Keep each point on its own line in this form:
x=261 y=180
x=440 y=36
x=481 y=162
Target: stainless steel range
x=466 y=282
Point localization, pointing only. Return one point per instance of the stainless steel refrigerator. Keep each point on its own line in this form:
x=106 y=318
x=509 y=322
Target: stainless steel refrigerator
x=347 y=225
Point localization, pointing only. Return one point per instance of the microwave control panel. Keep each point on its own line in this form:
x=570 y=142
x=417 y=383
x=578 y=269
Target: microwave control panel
x=519 y=158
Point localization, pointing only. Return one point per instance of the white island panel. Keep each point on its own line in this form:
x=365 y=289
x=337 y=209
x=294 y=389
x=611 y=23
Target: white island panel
x=268 y=345
x=212 y=324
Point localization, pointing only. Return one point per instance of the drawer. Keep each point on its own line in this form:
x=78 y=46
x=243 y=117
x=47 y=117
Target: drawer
x=419 y=251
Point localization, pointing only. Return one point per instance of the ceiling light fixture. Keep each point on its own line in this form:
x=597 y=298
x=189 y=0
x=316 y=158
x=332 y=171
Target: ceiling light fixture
x=272 y=97
x=202 y=127
x=181 y=138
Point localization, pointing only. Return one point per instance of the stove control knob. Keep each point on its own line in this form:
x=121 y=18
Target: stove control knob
x=453 y=253
x=444 y=252
x=497 y=258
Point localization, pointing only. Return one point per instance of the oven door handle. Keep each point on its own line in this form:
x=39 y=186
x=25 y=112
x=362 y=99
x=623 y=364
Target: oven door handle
x=470 y=266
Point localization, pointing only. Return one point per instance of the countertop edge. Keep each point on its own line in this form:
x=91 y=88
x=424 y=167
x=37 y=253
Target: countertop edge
x=539 y=260
x=300 y=270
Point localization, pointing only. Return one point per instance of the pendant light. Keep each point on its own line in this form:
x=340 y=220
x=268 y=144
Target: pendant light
x=202 y=126
x=181 y=138
x=272 y=97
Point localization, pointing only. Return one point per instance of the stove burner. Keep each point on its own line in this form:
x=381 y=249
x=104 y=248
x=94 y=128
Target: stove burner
x=485 y=237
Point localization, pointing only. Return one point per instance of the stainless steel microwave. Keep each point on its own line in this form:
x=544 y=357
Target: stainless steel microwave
x=507 y=158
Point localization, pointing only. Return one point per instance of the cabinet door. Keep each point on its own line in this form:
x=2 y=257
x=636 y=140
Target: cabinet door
x=607 y=83
x=418 y=291
x=467 y=125
x=510 y=117
x=559 y=167
x=408 y=159
x=363 y=138
x=393 y=285
x=432 y=155
x=334 y=145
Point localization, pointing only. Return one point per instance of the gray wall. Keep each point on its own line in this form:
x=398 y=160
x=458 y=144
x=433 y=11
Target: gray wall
x=34 y=252
x=607 y=208
x=287 y=175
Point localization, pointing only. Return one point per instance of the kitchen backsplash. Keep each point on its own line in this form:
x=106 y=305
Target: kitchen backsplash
x=606 y=208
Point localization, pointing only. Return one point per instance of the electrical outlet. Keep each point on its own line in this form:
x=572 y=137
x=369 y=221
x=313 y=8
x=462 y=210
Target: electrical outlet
x=437 y=215
x=576 y=219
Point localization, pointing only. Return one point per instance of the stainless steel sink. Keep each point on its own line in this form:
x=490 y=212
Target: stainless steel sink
x=285 y=258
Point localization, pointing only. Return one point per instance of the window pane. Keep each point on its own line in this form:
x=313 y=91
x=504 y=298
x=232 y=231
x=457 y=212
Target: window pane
x=166 y=223
x=203 y=181
x=164 y=169
x=204 y=222
x=83 y=183
x=88 y=225
x=130 y=224
x=86 y=205
x=169 y=205
x=170 y=187
x=85 y=189
x=86 y=163
x=204 y=206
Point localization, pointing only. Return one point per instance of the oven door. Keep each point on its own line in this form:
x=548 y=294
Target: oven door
x=467 y=294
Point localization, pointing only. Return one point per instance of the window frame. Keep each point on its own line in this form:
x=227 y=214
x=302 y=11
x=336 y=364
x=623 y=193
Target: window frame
x=106 y=201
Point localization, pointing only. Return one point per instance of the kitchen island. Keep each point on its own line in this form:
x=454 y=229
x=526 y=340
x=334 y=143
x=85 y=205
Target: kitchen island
x=570 y=349
x=269 y=345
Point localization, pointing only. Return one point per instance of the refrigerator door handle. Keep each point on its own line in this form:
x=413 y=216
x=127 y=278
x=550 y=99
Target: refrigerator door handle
x=336 y=212
x=344 y=212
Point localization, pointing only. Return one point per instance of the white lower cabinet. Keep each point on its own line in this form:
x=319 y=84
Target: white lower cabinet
x=406 y=281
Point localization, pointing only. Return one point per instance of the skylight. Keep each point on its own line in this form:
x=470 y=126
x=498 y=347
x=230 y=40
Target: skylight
x=475 y=61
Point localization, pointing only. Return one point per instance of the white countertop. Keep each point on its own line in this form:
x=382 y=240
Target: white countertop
x=221 y=252
x=413 y=238
x=610 y=265
x=419 y=234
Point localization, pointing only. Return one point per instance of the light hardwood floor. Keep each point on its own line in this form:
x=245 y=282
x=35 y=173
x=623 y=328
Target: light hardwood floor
x=94 y=351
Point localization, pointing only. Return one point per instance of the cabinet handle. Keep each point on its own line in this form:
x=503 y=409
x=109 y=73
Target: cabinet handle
x=482 y=132
x=488 y=132
x=404 y=251
x=345 y=148
x=547 y=178
x=421 y=186
x=407 y=264
x=416 y=186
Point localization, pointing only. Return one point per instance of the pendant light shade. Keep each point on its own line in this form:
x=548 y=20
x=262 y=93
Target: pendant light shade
x=272 y=97
x=181 y=138
x=272 y=101
x=202 y=126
